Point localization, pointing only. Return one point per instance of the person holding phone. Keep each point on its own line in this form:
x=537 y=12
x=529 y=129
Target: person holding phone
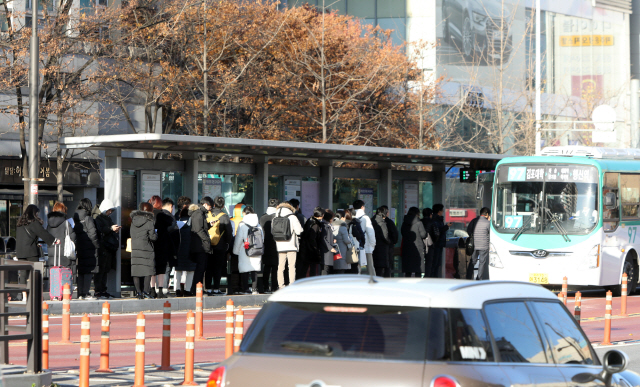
x=109 y=238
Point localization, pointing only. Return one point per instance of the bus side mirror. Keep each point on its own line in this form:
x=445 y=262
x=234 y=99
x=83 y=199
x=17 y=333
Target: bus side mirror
x=480 y=192
x=610 y=201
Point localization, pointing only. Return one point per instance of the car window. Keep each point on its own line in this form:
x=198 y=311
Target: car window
x=470 y=337
x=568 y=344
x=458 y=335
x=515 y=334
x=352 y=331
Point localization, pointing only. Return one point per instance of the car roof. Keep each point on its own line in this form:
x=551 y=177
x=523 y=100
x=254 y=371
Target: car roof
x=415 y=292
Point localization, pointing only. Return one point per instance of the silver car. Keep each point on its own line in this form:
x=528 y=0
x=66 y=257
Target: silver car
x=346 y=330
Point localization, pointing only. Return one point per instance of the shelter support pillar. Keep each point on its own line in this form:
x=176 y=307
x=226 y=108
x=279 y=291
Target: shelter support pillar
x=261 y=184
x=439 y=196
x=113 y=192
x=326 y=183
x=386 y=184
x=190 y=183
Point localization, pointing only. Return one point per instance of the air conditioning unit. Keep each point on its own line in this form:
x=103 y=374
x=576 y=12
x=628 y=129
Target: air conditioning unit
x=101 y=3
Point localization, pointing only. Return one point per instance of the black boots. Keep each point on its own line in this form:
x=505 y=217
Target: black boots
x=161 y=293
x=152 y=293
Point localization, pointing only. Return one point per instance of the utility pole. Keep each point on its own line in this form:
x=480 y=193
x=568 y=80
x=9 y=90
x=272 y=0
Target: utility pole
x=34 y=154
x=324 y=97
x=634 y=92
x=205 y=72
x=538 y=82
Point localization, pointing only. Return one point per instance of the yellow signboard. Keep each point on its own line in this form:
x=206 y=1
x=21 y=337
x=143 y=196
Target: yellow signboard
x=586 y=40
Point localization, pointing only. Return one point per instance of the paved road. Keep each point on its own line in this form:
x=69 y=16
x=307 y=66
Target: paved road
x=632 y=350
x=123 y=328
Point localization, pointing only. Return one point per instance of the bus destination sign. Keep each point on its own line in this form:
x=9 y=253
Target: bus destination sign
x=553 y=173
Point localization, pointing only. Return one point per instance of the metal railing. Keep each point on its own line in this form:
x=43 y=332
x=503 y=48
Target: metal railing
x=31 y=309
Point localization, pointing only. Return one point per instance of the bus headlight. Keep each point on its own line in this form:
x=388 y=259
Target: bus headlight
x=494 y=260
x=593 y=258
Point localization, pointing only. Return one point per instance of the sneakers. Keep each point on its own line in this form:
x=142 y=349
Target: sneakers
x=255 y=292
x=216 y=292
x=89 y=297
x=80 y=298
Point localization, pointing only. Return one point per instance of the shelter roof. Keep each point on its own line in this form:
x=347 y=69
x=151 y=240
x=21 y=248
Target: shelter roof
x=243 y=147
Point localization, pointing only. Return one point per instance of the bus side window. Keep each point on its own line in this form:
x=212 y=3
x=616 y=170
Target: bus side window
x=611 y=214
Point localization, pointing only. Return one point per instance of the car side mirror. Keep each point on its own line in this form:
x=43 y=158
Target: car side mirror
x=610 y=201
x=613 y=362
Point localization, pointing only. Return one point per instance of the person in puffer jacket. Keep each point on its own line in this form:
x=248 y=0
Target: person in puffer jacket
x=248 y=265
x=143 y=236
x=86 y=247
x=58 y=226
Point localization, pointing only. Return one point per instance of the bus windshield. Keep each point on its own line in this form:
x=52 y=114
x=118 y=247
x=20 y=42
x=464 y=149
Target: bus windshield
x=546 y=199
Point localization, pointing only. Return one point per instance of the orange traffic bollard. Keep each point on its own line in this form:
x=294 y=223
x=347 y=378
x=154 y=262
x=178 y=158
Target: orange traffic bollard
x=623 y=296
x=578 y=307
x=199 y=319
x=45 y=336
x=228 y=341
x=565 y=288
x=166 y=338
x=607 y=321
x=66 y=314
x=239 y=330
x=561 y=297
x=190 y=351
x=139 y=375
x=85 y=338
x=104 y=338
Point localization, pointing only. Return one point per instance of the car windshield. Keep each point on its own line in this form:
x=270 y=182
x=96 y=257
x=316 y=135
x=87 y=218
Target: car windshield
x=352 y=331
x=546 y=199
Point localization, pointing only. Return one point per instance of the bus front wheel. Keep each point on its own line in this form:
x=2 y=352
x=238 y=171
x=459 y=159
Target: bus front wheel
x=631 y=268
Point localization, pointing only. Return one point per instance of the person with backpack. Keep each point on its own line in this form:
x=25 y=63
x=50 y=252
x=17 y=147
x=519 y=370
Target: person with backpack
x=310 y=250
x=109 y=245
x=249 y=247
x=270 y=256
x=184 y=266
x=59 y=227
x=363 y=234
x=433 y=233
x=286 y=229
x=221 y=239
x=413 y=248
x=200 y=242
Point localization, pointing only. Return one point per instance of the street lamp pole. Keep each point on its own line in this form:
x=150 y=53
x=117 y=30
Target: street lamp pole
x=538 y=82
x=34 y=154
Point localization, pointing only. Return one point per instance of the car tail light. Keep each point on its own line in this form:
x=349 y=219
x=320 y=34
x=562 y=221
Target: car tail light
x=444 y=381
x=216 y=379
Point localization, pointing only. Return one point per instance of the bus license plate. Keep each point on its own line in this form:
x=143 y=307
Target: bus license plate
x=539 y=278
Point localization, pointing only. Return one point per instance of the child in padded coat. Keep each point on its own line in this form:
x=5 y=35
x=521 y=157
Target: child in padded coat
x=248 y=265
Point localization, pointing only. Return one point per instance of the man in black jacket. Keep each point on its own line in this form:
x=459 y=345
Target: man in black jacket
x=200 y=242
x=109 y=245
x=440 y=244
x=310 y=254
x=217 y=262
x=270 y=257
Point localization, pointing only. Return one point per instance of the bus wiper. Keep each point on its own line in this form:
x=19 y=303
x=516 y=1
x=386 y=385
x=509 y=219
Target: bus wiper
x=305 y=347
x=554 y=220
x=525 y=227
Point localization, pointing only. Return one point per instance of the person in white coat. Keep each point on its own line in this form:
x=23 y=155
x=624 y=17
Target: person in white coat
x=287 y=250
x=248 y=265
x=366 y=251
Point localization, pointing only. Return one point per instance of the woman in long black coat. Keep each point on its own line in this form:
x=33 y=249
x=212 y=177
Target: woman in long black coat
x=413 y=234
x=143 y=236
x=185 y=267
x=165 y=248
x=383 y=241
x=86 y=247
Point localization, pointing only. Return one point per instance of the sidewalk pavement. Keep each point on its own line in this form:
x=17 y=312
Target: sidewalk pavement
x=124 y=376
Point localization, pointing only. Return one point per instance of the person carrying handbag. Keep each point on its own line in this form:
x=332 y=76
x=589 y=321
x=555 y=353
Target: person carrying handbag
x=59 y=227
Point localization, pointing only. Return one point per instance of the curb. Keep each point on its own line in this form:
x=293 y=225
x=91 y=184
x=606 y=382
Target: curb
x=129 y=305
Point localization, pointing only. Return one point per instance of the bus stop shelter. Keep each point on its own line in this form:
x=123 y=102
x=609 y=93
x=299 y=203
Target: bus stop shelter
x=263 y=159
